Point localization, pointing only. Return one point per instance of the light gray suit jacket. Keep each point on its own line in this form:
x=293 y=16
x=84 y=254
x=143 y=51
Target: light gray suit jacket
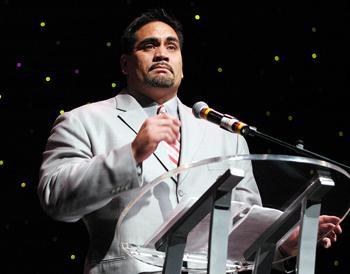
x=88 y=172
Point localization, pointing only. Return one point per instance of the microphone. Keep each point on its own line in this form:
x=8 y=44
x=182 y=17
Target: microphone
x=202 y=111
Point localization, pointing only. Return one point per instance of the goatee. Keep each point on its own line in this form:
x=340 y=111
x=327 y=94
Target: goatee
x=159 y=81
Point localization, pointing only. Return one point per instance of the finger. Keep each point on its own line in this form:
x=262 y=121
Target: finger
x=338 y=229
x=178 y=136
x=167 y=136
x=164 y=127
x=173 y=130
x=167 y=121
x=166 y=116
x=325 y=228
x=326 y=242
x=162 y=114
x=329 y=219
x=173 y=121
x=333 y=237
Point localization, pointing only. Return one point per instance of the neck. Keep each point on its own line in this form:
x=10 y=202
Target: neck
x=159 y=95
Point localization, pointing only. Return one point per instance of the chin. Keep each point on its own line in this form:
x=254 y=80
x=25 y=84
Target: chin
x=161 y=82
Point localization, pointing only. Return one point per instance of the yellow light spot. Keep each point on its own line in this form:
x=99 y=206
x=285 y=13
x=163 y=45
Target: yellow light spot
x=23 y=184
x=341 y=133
x=42 y=24
x=336 y=263
x=197 y=17
x=268 y=113
x=290 y=118
x=72 y=257
x=1 y=162
x=313 y=29
x=276 y=58
x=312 y=171
x=0 y=96
x=314 y=56
x=220 y=69
x=61 y=111
x=113 y=85
x=47 y=78
x=109 y=44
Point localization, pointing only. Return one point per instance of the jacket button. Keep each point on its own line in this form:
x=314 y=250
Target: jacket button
x=180 y=192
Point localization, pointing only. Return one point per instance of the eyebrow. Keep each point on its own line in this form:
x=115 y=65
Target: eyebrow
x=172 y=39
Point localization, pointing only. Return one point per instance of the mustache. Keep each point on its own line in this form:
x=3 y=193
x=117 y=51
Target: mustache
x=161 y=65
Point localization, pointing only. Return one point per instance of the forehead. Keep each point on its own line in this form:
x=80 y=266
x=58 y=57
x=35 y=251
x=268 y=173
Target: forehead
x=155 y=29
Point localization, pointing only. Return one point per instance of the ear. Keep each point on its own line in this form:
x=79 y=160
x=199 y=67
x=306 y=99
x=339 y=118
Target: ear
x=123 y=64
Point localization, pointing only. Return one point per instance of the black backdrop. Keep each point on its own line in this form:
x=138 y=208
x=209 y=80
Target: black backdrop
x=268 y=79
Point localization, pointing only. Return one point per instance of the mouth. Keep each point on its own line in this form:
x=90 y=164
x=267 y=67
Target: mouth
x=161 y=67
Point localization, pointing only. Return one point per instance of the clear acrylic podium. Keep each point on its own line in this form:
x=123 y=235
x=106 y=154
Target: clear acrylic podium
x=212 y=234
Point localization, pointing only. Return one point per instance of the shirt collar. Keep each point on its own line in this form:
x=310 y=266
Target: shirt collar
x=150 y=106
x=172 y=107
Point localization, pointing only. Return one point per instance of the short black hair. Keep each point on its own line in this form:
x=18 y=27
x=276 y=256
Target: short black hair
x=128 y=37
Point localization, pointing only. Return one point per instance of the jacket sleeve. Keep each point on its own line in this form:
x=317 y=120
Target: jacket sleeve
x=247 y=190
x=73 y=182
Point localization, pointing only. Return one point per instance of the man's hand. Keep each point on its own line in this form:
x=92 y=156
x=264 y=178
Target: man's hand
x=162 y=127
x=328 y=229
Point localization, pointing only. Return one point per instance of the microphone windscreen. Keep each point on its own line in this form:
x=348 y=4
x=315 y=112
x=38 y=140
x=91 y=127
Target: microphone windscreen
x=197 y=108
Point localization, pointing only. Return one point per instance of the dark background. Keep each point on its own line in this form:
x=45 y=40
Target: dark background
x=296 y=97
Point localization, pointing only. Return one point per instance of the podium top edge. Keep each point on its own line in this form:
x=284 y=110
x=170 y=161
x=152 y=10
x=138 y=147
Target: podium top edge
x=255 y=157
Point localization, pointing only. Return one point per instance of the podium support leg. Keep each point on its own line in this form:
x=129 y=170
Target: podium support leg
x=218 y=243
x=310 y=213
x=264 y=258
x=308 y=239
x=174 y=255
x=216 y=200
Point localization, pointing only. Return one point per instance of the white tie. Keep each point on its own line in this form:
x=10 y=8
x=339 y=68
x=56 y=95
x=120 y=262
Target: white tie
x=173 y=150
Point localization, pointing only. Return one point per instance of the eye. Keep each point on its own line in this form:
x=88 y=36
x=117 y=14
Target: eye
x=172 y=47
x=149 y=46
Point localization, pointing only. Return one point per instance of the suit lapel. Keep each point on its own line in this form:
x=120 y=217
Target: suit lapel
x=130 y=112
x=133 y=115
x=192 y=134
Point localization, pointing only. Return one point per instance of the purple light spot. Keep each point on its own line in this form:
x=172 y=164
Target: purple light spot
x=76 y=71
x=18 y=65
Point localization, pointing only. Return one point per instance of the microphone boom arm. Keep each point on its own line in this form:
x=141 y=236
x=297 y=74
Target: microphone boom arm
x=252 y=132
x=202 y=111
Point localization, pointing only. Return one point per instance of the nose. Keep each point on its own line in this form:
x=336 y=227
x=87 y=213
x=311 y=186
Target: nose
x=160 y=54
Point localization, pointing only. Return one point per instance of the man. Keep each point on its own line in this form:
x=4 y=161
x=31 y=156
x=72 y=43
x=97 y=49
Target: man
x=99 y=156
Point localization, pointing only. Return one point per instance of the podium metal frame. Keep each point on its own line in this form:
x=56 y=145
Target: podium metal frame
x=217 y=200
x=305 y=210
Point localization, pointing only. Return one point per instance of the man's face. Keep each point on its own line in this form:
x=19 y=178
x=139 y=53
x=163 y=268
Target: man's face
x=155 y=65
